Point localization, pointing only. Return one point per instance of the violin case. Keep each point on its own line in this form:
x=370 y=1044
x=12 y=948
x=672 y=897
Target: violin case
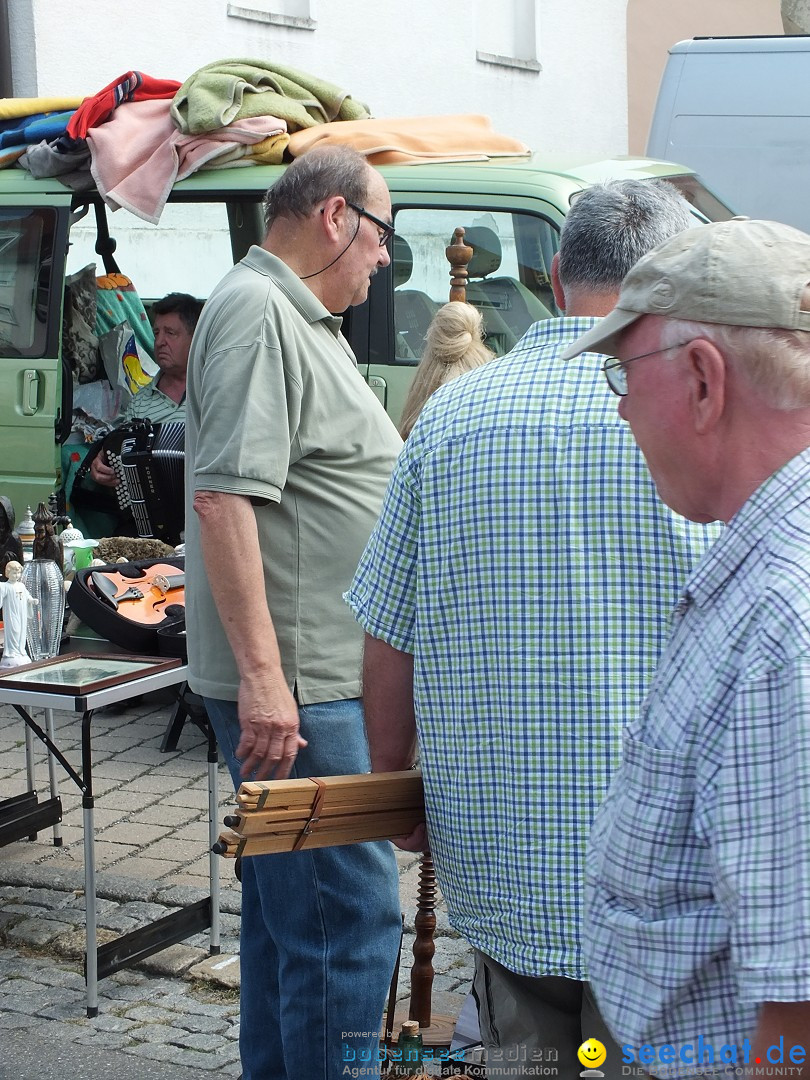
x=165 y=635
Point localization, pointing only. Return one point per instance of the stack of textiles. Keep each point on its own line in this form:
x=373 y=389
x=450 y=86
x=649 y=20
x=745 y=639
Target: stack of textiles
x=139 y=135
x=26 y=121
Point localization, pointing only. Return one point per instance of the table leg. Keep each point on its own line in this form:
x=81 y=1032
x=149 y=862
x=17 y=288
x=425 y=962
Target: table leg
x=57 y=828
x=88 y=816
x=29 y=759
x=30 y=777
x=91 y=945
x=213 y=832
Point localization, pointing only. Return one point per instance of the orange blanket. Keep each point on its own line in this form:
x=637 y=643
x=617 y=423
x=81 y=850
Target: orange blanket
x=409 y=140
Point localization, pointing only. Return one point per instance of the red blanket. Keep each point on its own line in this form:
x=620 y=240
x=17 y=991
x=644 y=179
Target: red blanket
x=132 y=86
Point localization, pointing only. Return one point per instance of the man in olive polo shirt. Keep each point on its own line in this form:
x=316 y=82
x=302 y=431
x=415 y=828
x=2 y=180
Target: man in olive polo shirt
x=288 y=454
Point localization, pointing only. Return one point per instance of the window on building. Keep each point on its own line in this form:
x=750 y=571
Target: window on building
x=298 y=14
x=506 y=33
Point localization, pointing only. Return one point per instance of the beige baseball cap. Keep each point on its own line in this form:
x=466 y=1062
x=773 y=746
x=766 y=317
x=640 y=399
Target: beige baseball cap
x=739 y=272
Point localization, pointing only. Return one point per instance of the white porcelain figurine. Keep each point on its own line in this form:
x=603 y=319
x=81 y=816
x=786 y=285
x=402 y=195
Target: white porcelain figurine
x=15 y=600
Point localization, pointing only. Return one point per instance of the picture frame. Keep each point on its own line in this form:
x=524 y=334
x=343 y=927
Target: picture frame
x=80 y=674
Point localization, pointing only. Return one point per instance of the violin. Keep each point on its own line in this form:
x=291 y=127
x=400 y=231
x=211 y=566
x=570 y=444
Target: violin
x=143 y=597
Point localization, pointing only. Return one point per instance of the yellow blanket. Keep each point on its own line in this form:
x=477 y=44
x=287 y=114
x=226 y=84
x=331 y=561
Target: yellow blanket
x=12 y=107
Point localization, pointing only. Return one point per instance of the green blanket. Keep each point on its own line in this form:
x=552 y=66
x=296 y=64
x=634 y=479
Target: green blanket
x=228 y=90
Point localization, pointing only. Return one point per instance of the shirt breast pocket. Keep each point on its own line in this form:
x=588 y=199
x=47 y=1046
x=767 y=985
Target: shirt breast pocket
x=644 y=850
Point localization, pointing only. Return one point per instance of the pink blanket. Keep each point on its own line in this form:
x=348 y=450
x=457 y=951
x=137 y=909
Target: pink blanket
x=138 y=154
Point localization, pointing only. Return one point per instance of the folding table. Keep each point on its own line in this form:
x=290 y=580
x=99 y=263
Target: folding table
x=29 y=816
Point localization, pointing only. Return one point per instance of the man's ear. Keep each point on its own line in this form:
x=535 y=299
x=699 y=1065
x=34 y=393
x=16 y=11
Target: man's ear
x=333 y=215
x=556 y=284
x=707 y=374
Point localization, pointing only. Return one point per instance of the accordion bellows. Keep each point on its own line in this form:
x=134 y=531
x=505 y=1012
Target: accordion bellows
x=149 y=460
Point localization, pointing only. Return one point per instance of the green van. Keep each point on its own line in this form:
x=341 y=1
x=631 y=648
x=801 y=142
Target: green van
x=511 y=210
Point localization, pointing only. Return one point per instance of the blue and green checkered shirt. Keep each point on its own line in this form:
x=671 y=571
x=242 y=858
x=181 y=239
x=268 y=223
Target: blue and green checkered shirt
x=523 y=557
x=699 y=870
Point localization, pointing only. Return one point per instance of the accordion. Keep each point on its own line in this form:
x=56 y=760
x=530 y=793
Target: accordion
x=149 y=461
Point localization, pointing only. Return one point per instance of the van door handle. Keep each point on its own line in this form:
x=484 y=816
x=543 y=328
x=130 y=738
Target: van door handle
x=379 y=386
x=30 y=392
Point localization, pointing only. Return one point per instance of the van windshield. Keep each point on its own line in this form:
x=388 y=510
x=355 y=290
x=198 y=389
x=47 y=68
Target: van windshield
x=696 y=193
x=26 y=265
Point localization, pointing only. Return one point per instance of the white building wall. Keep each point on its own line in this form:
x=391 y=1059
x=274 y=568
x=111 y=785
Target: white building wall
x=564 y=93
x=398 y=56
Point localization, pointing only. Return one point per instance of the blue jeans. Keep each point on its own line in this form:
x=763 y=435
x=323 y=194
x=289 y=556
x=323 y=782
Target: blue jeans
x=320 y=929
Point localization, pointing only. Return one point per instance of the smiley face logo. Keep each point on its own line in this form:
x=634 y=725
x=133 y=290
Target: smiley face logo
x=591 y=1054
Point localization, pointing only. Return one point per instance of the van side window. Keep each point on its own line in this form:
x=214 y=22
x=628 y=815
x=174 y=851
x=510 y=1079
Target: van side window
x=509 y=273
x=26 y=265
x=189 y=252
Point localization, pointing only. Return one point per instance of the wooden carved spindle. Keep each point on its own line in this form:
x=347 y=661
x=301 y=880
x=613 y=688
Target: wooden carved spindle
x=47 y=544
x=458 y=255
x=423 y=946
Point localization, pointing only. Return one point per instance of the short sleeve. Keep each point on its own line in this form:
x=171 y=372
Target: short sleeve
x=250 y=410
x=760 y=835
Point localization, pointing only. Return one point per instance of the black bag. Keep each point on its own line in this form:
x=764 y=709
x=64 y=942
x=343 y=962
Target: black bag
x=172 y=638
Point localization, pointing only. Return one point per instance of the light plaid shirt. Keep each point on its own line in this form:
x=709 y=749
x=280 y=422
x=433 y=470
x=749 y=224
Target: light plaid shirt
x=150 y=403
x=699 y=867
x=522 y=555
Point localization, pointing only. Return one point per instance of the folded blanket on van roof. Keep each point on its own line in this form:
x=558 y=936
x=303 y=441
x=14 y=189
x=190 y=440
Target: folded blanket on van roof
x=139 y=154
x=29 y=130
x=11 y=157
x=131 y=86
x=409 y=140
x=229 y=90
x=13 y=107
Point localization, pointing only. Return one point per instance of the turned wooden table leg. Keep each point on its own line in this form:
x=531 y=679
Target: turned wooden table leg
x=423 y=946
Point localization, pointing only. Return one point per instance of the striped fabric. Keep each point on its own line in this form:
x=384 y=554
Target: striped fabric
x=150 y=403
x=522 y=555
x=699 y=872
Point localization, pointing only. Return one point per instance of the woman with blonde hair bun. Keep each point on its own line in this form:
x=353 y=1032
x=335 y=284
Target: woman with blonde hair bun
x=453 y=344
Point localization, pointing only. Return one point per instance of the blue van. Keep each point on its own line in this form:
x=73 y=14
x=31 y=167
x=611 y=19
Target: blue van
x=737 y=111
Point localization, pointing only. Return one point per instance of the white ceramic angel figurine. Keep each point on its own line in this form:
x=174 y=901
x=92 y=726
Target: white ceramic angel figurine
x=15 y=600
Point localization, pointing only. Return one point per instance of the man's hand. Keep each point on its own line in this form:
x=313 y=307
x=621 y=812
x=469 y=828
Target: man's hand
x=268 y=718
x=101 y=472
x=415 y=841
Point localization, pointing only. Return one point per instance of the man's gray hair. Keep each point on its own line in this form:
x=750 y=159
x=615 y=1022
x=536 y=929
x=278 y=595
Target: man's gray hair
x=775 y=362
x=611 y=225
x=315 y=177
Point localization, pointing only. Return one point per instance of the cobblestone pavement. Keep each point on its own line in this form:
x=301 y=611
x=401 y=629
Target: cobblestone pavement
x=180 y=1006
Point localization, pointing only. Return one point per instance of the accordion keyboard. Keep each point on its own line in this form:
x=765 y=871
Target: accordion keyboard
x=112 y=450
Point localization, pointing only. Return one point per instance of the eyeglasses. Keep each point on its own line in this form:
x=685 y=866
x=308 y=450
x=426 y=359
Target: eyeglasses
x=616 y=370
x=387 y=229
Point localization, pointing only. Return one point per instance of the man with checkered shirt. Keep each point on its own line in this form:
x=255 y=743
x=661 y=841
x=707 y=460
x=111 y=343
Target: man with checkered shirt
x=516 y=595
x=698 y=874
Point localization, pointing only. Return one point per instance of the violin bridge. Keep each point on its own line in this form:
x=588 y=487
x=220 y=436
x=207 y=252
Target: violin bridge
x=160 y=584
